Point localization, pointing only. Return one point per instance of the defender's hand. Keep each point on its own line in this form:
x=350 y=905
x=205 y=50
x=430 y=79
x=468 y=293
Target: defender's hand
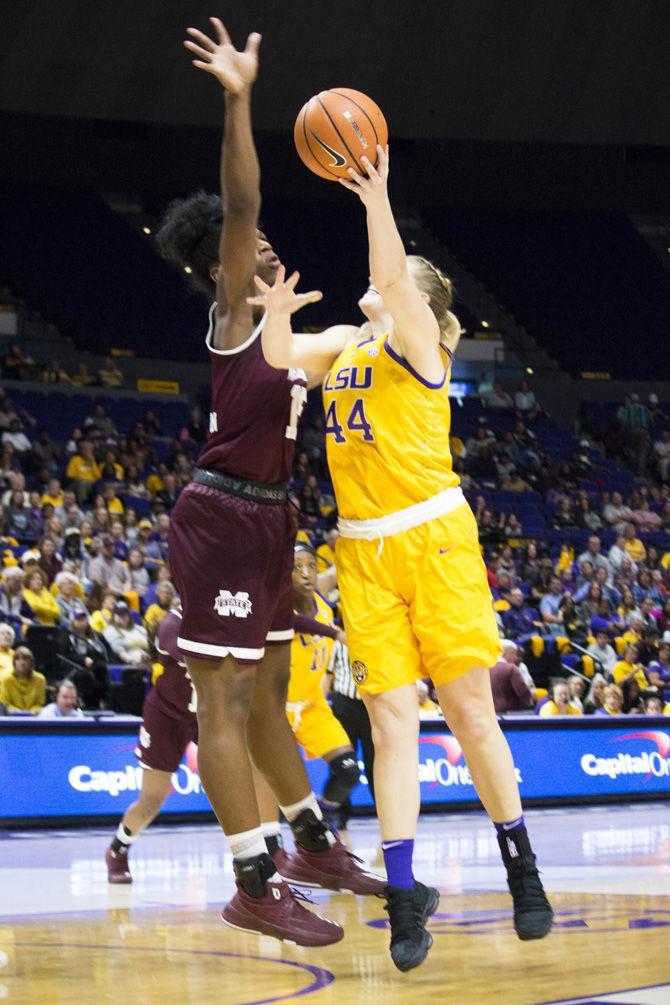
x=282 y=298
x=236 y=71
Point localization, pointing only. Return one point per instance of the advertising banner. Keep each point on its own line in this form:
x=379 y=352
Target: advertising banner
x=71 y=773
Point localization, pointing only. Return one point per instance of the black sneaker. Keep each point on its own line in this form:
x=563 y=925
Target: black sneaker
x=533 y=915
x=408 y=911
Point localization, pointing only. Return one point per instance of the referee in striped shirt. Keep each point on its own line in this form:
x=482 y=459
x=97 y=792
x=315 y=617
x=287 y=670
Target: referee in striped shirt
x=349 y=708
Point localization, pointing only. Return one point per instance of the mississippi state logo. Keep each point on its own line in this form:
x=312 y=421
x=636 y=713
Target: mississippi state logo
x=359 y=671
x=236 y=604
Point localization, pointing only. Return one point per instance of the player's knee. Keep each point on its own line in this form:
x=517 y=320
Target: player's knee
x=471 y=722
x=344 y=775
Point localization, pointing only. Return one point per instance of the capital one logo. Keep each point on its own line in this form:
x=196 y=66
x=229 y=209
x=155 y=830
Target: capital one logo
x=648 y=764
x=237 y=604
x=449 y=768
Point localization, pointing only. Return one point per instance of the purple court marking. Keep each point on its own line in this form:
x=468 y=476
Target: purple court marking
x=322 y=978
x=605 y=994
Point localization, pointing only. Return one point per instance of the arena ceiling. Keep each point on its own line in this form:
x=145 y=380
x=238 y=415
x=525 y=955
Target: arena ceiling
x=579 y=71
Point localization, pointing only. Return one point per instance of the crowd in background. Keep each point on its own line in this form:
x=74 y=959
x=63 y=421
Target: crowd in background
x=84 y=528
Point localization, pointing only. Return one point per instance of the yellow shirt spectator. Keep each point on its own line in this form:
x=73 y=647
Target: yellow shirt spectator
x=6 y=662
x=115 y=506
x=623 y=669
x=635 y=549
x=24 y=690
x=55 y=501
x=42 y=600
x=551 y=708
x=325 y=557
x=153 y=616
x=82 y=468
x=155 y=484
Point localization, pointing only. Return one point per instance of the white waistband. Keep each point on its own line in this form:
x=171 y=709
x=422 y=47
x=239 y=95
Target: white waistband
x=404 y=519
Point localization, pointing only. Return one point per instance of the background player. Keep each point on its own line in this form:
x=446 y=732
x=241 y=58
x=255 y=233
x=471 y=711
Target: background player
x=169 y=725
x=414 y=593
x=314 y=724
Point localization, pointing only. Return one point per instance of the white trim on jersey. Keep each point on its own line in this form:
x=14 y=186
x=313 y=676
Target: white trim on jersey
x=240 y=348
x=204 y=649
x=284 y=636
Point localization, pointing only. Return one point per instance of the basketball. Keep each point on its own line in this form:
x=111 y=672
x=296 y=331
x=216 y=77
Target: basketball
x=335 y=128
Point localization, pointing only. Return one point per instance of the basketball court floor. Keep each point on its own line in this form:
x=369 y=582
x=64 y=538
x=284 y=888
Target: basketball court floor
x=65 y=936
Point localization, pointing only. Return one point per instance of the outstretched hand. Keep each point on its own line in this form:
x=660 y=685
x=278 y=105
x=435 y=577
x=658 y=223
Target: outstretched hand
x=282 y=298
x=236 y=71
x=370 y=188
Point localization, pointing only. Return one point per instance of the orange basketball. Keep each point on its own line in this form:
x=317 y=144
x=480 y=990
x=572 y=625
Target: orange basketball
x=335 y=129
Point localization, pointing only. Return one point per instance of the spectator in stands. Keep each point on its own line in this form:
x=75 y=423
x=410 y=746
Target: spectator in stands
x=135 y=487
x=21 y=521
x=660 y=667
x=165 y=601
x=196 y=430
x=594 y=699
x=107 y=570
x=525 y=401
x=24 y=690
x=505 y=466
x=157 y=548
x=14 y=608
x=512 y=692
x=310 y=509
x=83 y=471
x=588 y=607
x=653 y=705
x=603 y=653
x=617 y=554
x=170 y=491
x=68 y=598
x=55 y=373
x=616 y=514
x=46 y=452
x=593 y=555
x=515 y=483
x=632 y=697
x=109 y=374
x=497 y=397
x=86 y=656
x=635 y=420
x=111 y=501
x=100 y=421
x=629 y=668
x=129 y=642
x=50 y=561
x=564 y=518
x=577 y=689
x=574 y=623
x=83 y=376
x=39 y=597
x=550 y=606
x=16 y=365
x=632 y=545
x=662 y=454
x=646 y=520
x=16 y=437
x=559 y=703
x=64 y=705
x=139 y=576
x=7 y=640
x=586 y=517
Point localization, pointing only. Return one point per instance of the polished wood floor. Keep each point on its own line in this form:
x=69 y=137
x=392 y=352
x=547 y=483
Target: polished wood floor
x=67 y=938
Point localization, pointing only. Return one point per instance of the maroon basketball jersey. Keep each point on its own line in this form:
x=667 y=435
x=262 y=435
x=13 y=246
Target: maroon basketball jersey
x=173 y=691
x=255 y=411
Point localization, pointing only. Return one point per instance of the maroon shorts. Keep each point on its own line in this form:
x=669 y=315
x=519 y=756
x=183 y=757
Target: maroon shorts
x=163 y=739
x=232 y=562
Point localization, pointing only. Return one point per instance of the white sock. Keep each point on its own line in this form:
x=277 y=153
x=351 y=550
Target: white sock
x=295 y=809
x=247 y=844
x=124 y=835
x=271 y=829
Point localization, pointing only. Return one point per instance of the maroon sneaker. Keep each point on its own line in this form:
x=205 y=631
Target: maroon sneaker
x=333 y=869
x=282 y=860
x=279 y=915
x=118 y=870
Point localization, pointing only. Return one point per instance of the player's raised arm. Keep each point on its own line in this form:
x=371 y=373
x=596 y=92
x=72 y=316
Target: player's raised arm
x=240 y=178
x=415 y=327
x=281 y=347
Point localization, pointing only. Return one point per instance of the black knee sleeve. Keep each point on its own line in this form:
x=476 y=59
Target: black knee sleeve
x=344 y=774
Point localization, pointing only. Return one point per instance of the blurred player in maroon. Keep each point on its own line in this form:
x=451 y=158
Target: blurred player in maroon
x=169 y=726
x=232 y=530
